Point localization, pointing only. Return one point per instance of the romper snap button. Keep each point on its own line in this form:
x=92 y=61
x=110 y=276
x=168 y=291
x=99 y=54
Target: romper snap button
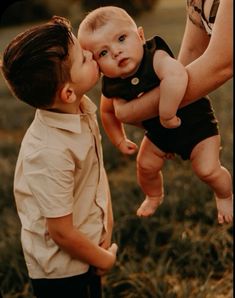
x=135 y=81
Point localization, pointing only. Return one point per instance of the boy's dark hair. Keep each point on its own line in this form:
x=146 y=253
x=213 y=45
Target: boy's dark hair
x=36 y=62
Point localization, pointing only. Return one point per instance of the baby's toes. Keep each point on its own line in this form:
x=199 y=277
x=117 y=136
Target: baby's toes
x=220 y=218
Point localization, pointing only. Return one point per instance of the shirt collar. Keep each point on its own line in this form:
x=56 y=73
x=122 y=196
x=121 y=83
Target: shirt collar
x=70 y=122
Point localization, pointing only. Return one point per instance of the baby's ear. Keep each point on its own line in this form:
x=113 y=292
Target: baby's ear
x=141 y=33
x=67 y=94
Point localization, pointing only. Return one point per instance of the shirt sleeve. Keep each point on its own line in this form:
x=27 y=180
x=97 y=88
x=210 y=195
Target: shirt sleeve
x=194 y=11
x=50 y=177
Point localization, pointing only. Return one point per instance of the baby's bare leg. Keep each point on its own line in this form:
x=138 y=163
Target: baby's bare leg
x=206 y=164
x=149 y=163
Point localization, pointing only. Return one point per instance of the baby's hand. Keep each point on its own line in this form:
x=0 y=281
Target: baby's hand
x=127 y=147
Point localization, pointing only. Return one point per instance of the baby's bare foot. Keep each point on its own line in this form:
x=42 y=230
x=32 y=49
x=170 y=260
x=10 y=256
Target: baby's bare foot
x=149 y=206
x=225 y=209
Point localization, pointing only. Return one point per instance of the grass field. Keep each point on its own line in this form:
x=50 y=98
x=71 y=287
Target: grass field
x=181 y=251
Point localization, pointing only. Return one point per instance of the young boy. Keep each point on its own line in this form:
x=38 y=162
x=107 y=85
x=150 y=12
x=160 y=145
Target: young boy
x=60 y=185
x=132 y=66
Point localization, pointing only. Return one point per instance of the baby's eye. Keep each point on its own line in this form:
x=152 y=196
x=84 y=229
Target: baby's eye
x=122 y=38
x=103 y=53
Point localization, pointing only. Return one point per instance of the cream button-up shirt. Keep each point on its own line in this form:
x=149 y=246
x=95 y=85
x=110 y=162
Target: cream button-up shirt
x=60 y=171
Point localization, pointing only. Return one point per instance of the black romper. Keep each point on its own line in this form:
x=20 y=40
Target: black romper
x=198 y=121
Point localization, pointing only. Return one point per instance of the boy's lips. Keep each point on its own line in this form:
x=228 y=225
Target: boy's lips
x=123 y=62
x=97 y=66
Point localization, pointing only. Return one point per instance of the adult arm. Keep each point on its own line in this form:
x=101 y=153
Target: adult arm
x=208 y=64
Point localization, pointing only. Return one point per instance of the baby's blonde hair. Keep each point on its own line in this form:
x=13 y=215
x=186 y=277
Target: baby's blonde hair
x=102 y=15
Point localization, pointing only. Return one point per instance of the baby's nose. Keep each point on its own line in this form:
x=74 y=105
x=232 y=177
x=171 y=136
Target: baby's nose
x=116 y=52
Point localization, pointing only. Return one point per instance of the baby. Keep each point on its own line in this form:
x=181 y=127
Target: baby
x=132 y=66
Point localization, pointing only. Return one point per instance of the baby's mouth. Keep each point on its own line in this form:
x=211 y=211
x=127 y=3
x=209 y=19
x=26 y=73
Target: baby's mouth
x=123 y=62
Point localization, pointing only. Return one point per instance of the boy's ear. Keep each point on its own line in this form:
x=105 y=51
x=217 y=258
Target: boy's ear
x=67 y=94
x=141 y=33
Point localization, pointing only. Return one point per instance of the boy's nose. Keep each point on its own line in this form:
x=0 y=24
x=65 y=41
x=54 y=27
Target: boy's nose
x=88 y=54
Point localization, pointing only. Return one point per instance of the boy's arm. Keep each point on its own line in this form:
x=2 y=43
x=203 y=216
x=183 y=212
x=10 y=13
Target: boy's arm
x=106 y=243
x=77 y=245
x=108 y=236
x=114 y=128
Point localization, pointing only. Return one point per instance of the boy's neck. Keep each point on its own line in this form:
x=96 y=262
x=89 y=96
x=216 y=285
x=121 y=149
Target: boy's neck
x=66 y=108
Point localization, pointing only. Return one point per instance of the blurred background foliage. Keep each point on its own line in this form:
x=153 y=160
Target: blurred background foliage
x=179 y=252
x=42 y=9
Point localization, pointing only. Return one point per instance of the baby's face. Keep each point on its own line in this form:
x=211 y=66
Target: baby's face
x=117 y=48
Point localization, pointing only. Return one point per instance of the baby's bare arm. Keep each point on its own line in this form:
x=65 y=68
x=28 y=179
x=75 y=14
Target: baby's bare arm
x=173 y=83
x=114 y=127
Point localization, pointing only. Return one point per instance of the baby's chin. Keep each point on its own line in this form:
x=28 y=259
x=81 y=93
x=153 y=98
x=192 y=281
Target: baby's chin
x=129 y=73
x=120 y=74
x=123 y=71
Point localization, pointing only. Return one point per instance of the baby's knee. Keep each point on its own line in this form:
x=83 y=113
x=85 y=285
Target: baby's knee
x=145 y=164
x=207 y=173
